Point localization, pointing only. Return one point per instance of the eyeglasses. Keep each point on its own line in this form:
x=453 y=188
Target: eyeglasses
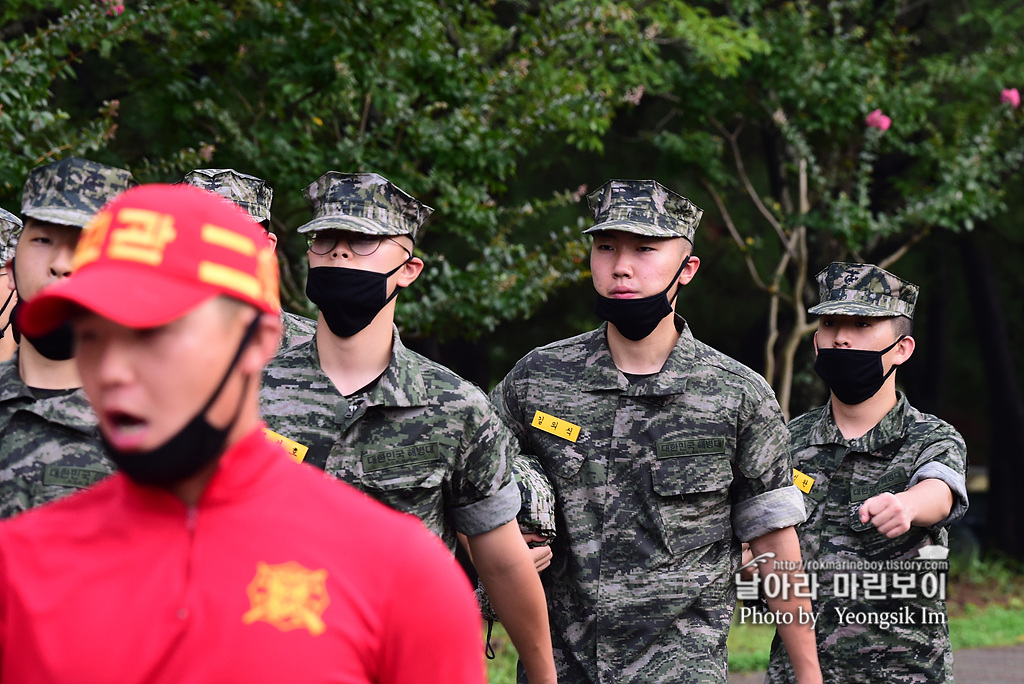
x=361 y=244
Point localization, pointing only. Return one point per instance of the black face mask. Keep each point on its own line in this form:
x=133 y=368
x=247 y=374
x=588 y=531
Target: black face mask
x=56 y=345
x=194 y=446
x=637 y=318
x=853 y=375
x=349 y=298
x=10 y=319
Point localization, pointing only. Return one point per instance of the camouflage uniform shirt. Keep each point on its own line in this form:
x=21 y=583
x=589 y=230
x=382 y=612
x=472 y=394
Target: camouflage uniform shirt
x=663 y=480
x=906 y=447
x=422 y=440
x=49 y=446
x=295 y=330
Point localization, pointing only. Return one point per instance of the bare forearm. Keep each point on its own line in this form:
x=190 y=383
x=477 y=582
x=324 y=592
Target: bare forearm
x=508 y=574
x=929 y=501
x=518 y=600
x=796 y=630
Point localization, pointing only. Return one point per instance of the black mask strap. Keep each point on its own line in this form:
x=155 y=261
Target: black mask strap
x=249 y=332
x=393 y=272
x=10 y=317
x=675 y=278
x=886 y=351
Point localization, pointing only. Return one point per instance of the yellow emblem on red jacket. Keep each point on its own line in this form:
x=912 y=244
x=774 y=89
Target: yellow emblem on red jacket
x=288 y=596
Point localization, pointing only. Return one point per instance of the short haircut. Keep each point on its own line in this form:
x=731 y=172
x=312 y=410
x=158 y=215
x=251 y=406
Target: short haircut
x=902 y=326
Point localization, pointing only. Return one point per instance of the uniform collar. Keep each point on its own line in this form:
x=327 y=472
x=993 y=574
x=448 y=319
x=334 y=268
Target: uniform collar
x=70 y=410
x=825 y=431
x=601 y=374
x=11 y=385
x=402 y=383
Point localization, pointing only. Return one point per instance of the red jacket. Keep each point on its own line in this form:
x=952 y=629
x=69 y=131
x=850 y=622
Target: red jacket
x=279 y=574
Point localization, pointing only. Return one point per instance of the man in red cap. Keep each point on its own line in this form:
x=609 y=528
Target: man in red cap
x=198 y=561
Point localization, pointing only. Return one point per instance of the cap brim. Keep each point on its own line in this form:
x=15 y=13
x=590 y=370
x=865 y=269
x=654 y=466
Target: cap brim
x=646 y=229
x=354 y=224
x=62 y=217
x=150 y=300
x=847 y=308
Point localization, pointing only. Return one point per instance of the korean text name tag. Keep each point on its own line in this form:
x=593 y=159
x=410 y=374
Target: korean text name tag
x=555 y=426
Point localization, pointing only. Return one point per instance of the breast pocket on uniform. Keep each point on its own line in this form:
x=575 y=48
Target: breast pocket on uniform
x=407 y=478
x=691 y=494
x=875 y=544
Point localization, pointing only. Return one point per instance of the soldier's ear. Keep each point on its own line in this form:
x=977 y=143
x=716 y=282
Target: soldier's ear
x=264 y=344
x=410 y=271
x=904 y=350
x=690 y=270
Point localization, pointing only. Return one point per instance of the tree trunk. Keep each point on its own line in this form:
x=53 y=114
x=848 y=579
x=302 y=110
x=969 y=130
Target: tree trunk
x=1005 y=523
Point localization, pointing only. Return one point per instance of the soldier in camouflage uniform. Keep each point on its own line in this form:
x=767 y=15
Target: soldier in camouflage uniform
x=402 y=428
x=881 y=482
x=49 y=442
x=664 y=455
x=10 y=226
x=255 y=196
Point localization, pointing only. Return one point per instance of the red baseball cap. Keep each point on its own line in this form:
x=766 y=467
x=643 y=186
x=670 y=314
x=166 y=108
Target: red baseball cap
x=155 y=253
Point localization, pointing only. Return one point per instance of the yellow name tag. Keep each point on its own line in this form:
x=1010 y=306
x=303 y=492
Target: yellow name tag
x=556 y=426
x=802 y=482
x=295 y=450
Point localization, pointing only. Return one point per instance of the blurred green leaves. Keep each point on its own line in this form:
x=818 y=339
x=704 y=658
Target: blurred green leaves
x=445 y=97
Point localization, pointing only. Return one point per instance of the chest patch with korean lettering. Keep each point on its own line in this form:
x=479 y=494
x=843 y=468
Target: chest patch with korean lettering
x=401 y=456
x=68 y=476
x=802 y=481
x=555 y=426
x=691 y=447
x=894 y=479
x=295 y=450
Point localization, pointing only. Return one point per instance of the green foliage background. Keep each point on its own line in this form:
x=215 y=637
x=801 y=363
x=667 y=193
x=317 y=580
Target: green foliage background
x=503 y=114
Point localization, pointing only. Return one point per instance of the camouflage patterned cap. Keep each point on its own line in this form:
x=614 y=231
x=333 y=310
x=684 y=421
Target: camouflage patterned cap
x=249 y=192
x=71 y=191
x=644 y=207
x=363 y=203
x=863 y=290
x=10 y=226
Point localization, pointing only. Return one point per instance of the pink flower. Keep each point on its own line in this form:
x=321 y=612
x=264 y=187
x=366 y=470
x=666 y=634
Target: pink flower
x=1010 y=96
x=114 y=8
x=634 y=95
x=877 y=119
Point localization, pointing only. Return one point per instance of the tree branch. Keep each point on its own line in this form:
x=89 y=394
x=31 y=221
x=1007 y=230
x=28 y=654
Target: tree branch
x=737 y=238
x=904 y=248
x=802 y=259
x=366 y=113
x=733 y=139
